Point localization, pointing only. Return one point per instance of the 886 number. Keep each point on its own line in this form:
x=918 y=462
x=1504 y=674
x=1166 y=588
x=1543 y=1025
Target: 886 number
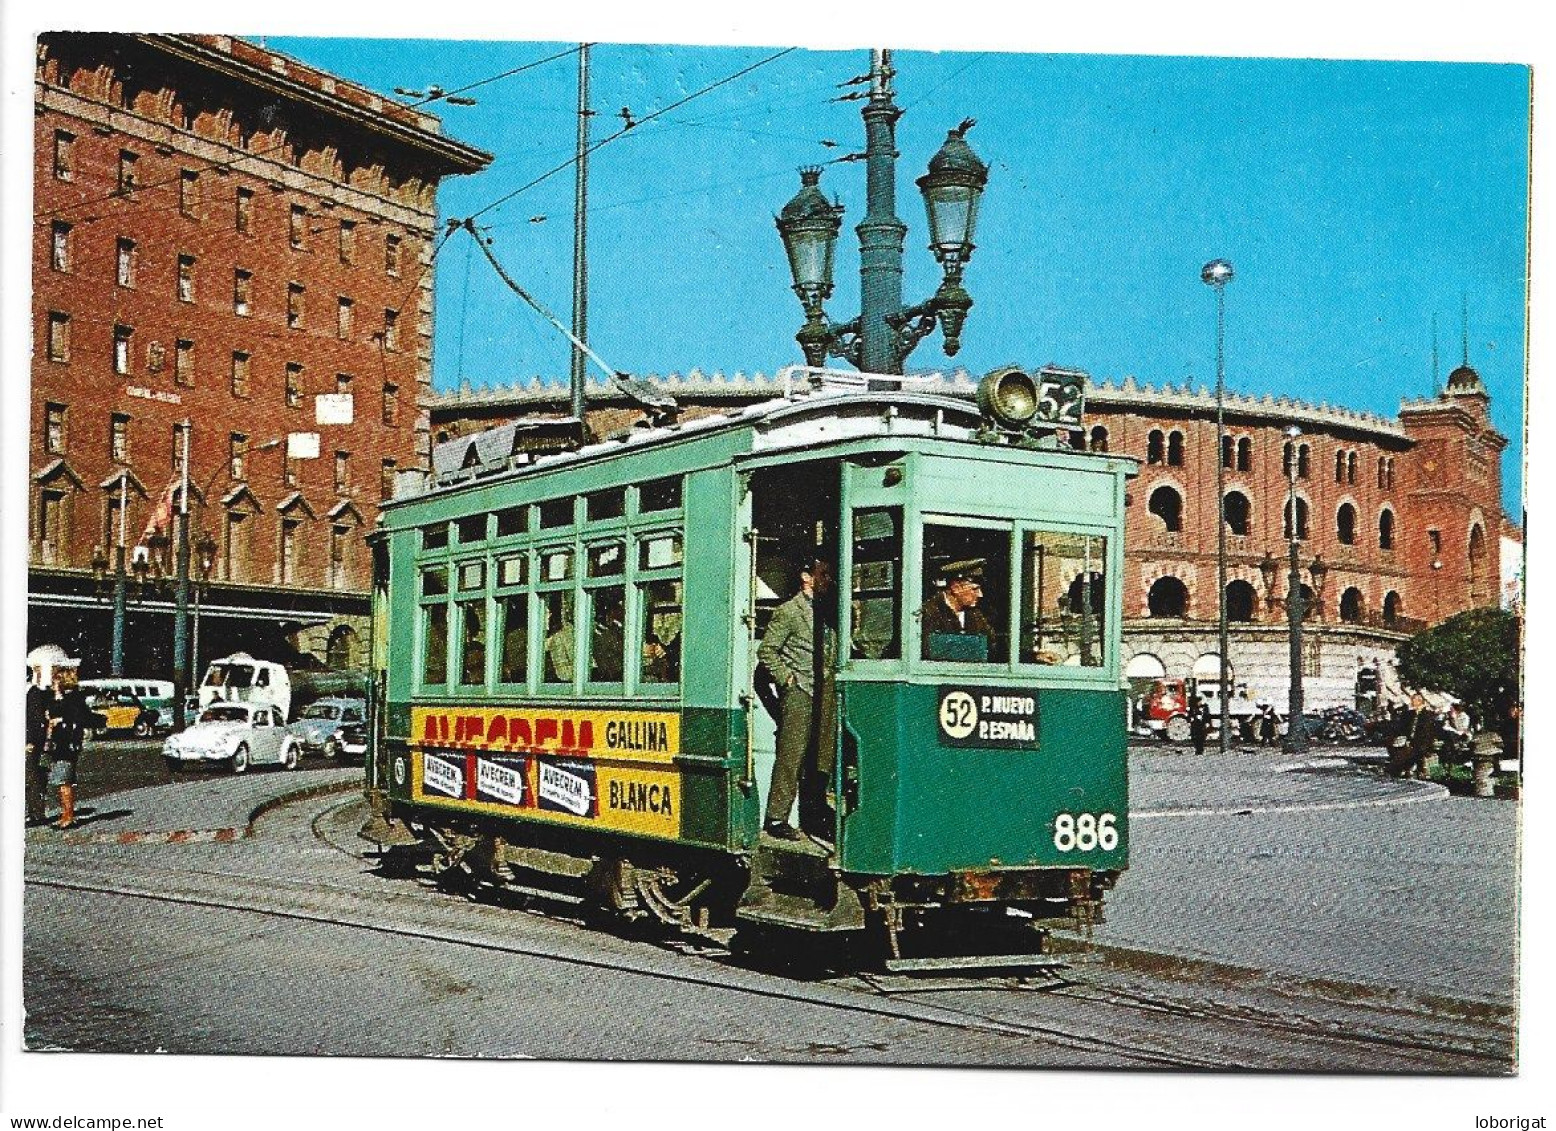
x=1085 y=832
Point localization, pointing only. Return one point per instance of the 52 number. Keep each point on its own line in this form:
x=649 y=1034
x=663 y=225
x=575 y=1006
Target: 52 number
x=1084 y=832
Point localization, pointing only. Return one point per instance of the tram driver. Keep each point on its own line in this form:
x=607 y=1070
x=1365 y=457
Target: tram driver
x=952 y=625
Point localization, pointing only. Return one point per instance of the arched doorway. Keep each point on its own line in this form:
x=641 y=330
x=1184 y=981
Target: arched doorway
x=1393 y=607
x=1168 y=597
x=341 y=650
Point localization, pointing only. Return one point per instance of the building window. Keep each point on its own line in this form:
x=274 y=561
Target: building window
x=1434 y=539
x=1228 y=449
x=348 y=241
x=54 y=429
x=1345 y=524
x=343 y=384
x=119 y=438
x=1237 y=512
x=127 y=182
x=1167 y=505
x=180 y=441
x=1351 y=606
x=59 y=336
x=1175 y=449
x=289 y=550
x=243 y=211
x=1287 y=454
x=53 y=538
x=59 y=246
x=288 y=468
x=1241 y=600
x=186 y=282
x=1386 y=529
x=1168 y=597
x=294 y=384
x=386 y=480
x=391 y=255
x=1099 y=439
x=237 y=454
x=391 y=404
x=339 y=536
x=1304 y=462
x=189 y=193
x=1388 y=468
x=1155 y=447
x=391 y=329
x=294 y=306
x=1381 y=462
x=183 y=363
x=1339 y=466
x=242 y=291
x=297 y=226
x=1244 y=454
x=342 y=472
x=1301 y=516
x=236 y=567
x=124 y=263
x=343 y=318
x=1350 y=469
x=240 y=374
x=121 y=349
x=64 y=156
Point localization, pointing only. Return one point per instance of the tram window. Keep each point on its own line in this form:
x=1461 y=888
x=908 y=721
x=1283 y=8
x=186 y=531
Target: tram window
x=661 y=602
x=876 y=584
x=472 y=665
x=607 y=504
x=513 y=570
x=434 y=582
x=557 y=564
x=660 y=495
x=607 y=633
x=1063 y=598
x=514 y=632
x=472 y=528
x=659 y=551
x=607 y=559
x=966 y=594
x=472 y=575
x=434 y=654
x=434 y=537
x=514 y=520
x=556 y=512
x=560 y=651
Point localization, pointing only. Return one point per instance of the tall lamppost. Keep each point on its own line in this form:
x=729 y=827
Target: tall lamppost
x=1296 y=738
x=1217 y=274
x=885 y=333
x=205 y=559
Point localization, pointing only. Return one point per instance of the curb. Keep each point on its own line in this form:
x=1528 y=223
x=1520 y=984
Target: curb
x=208 y=836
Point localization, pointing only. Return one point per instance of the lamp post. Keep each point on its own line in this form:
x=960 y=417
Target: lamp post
x=1217 y=274
x=1296 y=739
x=885 y=333
x=205 y=558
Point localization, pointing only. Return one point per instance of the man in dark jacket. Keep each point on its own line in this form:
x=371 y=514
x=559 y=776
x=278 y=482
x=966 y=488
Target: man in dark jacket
x=1199 y=724
x=953 y=611
x=37 y=725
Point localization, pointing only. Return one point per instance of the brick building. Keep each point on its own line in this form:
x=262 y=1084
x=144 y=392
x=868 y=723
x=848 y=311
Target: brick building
x=222 y=235
x=1404 y=515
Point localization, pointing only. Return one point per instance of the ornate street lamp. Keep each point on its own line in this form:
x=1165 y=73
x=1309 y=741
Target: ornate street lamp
x=205 y=559
x=886 y=331
x=1217 y=274
x=1296 y=738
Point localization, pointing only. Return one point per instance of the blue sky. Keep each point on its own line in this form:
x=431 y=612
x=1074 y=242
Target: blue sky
x=1355 y=199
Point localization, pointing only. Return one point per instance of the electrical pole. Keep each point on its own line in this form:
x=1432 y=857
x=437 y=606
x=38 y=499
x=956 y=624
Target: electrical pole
x=181 y=596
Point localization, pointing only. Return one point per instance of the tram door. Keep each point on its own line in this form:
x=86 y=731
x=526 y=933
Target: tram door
x=794 y=511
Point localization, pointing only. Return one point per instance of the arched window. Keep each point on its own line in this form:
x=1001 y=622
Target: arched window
x=1240 y=601
x=1099 y=439
x=1175 y=449
x=1236 y=510
x=1477 y=562
x=1287 y=454
x=341 y=649
x=1350 y=469
x=1351 y=606
x=1388 y=472
x=1301 y=534
x=1345 y=524
x=1244 y=454
x=1304 y=462
x=1339 y=466
x=1386 y=529
x=1155 y=447
x=1168 y=597
x=1393 y=607
x=1167 y=505
x=1228 y=446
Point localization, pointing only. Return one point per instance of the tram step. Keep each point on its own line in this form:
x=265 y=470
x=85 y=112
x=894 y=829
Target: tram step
x=941 y=964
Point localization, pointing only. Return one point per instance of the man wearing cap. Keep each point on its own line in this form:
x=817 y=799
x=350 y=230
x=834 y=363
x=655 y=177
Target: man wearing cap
x=788 y=650
x=953 y=611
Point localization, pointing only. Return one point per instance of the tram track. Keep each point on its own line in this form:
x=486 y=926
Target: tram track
x=1196 y=1035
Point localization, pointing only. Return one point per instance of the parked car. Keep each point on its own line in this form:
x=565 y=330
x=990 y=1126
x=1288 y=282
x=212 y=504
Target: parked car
x=237 y=735
x=120 y=713
x=353 y=741
x=319 y=727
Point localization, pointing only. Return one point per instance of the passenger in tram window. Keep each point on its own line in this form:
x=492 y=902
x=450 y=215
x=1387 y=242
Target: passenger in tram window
x=607 y=637
x=559 y=640
x=953 y=613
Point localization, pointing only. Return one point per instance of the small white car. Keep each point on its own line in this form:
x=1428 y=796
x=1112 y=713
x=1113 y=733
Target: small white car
x=237 y=735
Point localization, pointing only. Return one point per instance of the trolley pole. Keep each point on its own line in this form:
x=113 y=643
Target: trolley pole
x=580 y=242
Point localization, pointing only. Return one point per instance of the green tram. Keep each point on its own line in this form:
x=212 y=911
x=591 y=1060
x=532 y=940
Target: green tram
x=566 y=646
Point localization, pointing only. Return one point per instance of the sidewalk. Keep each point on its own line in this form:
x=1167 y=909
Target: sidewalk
x=200 y=807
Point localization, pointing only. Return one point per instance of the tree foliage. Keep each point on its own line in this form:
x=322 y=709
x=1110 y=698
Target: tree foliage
x=1473 y=656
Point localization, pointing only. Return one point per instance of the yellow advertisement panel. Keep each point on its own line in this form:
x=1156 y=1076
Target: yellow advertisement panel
x=564 y=790
x=641 y=736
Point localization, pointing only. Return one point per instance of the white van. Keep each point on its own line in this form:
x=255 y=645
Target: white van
x=240 y=678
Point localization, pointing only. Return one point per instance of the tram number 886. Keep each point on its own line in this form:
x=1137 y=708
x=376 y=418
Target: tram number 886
x=1083 y=832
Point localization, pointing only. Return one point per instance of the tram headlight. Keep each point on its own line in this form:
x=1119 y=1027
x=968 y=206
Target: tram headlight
x=1008 y=397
